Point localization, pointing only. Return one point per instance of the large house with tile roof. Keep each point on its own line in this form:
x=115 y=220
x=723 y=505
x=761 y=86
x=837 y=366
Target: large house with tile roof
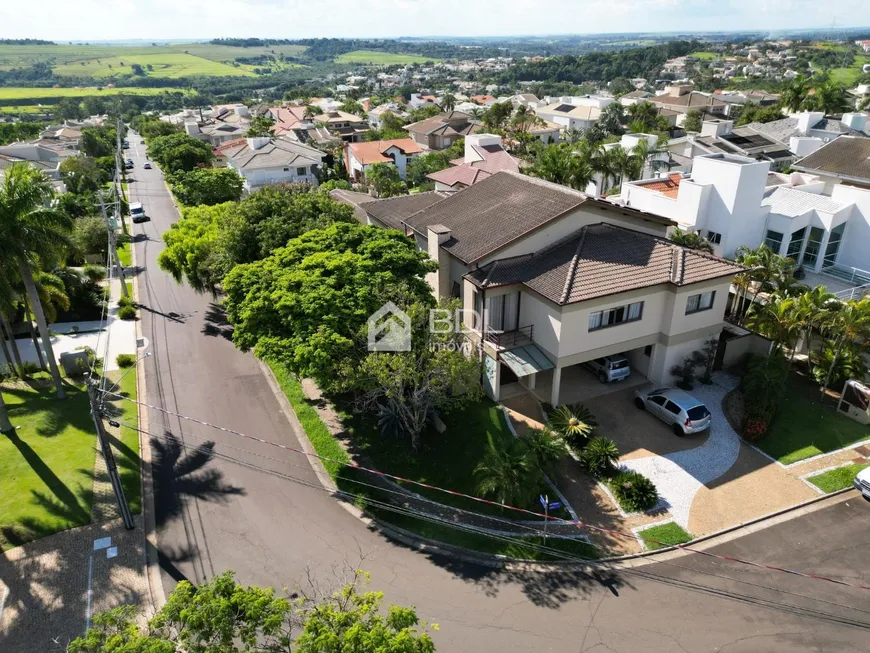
x=550 y=278
x=358 y=157
x=484 y=156
x=441 y=131
x=262 y=161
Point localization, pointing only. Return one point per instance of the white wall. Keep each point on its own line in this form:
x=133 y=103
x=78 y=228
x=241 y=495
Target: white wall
x=263 y=176
x=546 y=320
x=855 y=247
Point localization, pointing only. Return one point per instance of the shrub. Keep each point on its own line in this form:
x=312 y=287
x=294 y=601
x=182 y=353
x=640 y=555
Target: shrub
x=125 y=360
x=125 y=301
x=94 y=272
x=93 y=361
x=634 y=491
x=27 y=368
x=763 y=387
x=127 y=313
x=600 y=456
x=685 y=371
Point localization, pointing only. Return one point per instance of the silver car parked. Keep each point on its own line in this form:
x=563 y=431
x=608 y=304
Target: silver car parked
x=610 y=368
x=681 y=410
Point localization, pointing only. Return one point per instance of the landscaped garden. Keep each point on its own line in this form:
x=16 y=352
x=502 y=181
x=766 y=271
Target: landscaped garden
x=804 y=427
x=837 y=479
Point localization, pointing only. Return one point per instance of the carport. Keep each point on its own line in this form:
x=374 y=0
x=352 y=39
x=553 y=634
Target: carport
x=577 y=384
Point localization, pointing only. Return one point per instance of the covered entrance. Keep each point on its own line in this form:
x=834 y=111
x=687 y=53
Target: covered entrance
x=515 y=370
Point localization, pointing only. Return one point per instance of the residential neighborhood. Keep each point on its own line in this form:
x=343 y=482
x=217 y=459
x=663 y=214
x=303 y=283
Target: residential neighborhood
x=426 y=344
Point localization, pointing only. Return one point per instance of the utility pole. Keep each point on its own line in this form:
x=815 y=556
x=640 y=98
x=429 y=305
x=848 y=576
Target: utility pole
x=109 y=457
x=122 y=170
x=113 y=248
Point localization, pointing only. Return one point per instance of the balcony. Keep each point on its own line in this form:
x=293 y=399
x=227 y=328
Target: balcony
x=510 y=339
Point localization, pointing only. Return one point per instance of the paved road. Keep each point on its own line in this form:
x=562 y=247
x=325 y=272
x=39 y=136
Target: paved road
x=215 y=514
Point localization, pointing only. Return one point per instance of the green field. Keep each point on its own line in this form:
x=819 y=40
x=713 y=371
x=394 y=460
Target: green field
x=381 y=58
x=170 y=65
x=706 y=56
x=849 y=76
x=35 y=94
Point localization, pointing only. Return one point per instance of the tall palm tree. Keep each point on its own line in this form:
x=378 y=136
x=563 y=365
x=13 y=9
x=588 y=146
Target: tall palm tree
x=832 y=98
x=546 y=447
x=605 y=163
x=506 y=472
x=476 y=114
x=849 y=324
x=8 y=307
x=31 y=232
x=448 y=102
x=776 y=319
x=813 y=309
x=795 y=93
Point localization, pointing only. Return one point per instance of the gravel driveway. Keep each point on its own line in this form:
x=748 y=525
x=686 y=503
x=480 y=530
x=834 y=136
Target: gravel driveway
x=679 y=475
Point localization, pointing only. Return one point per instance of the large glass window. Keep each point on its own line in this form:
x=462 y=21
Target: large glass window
x=833 y=246
x=814 y=245
x=701 y=302
x=773 y=239
x=614 y=316
x=501 y=312
x=795 y=245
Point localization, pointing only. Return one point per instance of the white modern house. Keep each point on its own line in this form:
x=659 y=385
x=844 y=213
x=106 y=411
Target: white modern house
x=822 y=223
x=261 y=161
x=398 y=152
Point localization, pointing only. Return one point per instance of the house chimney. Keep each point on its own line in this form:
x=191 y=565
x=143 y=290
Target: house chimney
x=257 y=142
x=856 y=121
x=807 y=120
x=242 y=111
x=436 y=236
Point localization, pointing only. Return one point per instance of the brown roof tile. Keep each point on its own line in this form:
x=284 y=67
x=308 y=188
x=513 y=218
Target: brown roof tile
x=601 y=260
x=847 y=156
x=390 y=212
x=669 y=187
x=373 y=151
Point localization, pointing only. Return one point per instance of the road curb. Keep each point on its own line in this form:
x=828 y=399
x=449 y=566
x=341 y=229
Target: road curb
x=152 y=564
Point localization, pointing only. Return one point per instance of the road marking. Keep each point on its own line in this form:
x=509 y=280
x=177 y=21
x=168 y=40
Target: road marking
x=90 y=593
x=102 y=543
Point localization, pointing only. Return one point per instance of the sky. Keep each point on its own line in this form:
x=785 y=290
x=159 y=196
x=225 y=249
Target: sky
x=65 y=20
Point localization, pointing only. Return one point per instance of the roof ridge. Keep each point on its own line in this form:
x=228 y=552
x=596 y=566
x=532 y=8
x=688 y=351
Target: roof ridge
x=546 y=184
x=572 y=269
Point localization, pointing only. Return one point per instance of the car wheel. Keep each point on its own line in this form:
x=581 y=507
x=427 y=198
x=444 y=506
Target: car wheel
x=602 y=377
x=678 y=431
x=639 y=403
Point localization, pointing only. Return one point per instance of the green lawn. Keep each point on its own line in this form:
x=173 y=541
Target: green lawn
x=665 y=535
x=46 y=465
x=125 y=254
x=381 y=58
x=849 y=76
x=128 y=448
x=168 y=65
x=706 y=56
x=837 y=479
x=803 y=427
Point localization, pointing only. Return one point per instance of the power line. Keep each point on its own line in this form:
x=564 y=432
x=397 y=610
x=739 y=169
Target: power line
x=556 y=553
x=578 y=523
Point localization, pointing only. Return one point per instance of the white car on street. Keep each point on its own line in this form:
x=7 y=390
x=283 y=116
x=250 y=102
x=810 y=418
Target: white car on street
x=862 y=482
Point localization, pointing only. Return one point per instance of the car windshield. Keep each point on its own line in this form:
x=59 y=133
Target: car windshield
x=698 y=412
x=619 y=365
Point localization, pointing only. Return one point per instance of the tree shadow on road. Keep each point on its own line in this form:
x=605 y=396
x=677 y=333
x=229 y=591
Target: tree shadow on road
x=216 y=322
x=180 y=474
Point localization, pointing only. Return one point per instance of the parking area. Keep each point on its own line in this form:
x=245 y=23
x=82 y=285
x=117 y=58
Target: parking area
x=579 y=385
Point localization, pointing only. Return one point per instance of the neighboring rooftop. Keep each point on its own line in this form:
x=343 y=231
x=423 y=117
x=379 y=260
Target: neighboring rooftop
x=601 y=260
x=783 y=130
x=479 y=162
x=792 y=202
x=669 y=187
x=277 y=152
x=391 y=212
x=373 y=151
x=847 y=157
x=580 y=113
x=454 y=123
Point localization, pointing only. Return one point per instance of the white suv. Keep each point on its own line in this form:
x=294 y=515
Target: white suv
x=862 y=482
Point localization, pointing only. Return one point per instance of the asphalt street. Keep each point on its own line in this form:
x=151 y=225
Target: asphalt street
x=224 y=502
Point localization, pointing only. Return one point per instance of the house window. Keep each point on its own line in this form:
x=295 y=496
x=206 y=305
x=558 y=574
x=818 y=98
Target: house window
x=702 y=302
x=478 y=310
x=286 y=169
x=814 y=246
x=833 y=246
x=501 y=312
x=773 y=239
x=301 y=172
x=614 y=316
x=713 y=237
x=796 y=244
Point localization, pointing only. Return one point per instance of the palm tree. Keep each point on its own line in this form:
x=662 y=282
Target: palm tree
x=8 y=307
x=476 y=114
x=546 y=447
x=832 y=98
x=600 y=456
x=812 y=311
x=560 y=165
x=794 y=94
x=310 y=112
x=574 y=423
x=690 y=240
x=448 y=102
x=31 y=232
x=507 y=472
x=850 y=324
x=605 y=163
x=776 y=319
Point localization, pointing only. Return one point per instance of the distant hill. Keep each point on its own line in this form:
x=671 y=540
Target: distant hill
x=25 y=42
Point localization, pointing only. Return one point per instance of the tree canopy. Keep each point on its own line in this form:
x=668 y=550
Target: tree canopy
x=306 y=305
x=207 y=186
x=179 y=151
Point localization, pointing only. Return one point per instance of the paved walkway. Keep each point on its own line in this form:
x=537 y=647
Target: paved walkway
x=121 y=336
x=679 y=475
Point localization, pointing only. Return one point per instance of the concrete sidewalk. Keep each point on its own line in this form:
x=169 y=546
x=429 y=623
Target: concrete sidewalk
x=50 y=588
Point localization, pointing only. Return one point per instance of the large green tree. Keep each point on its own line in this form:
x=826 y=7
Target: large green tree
x=385 y=179
x=222 y=616
x=207 y=186
x=307 y=304
x=32 y=234
x=82 y=175
x=179 y=152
